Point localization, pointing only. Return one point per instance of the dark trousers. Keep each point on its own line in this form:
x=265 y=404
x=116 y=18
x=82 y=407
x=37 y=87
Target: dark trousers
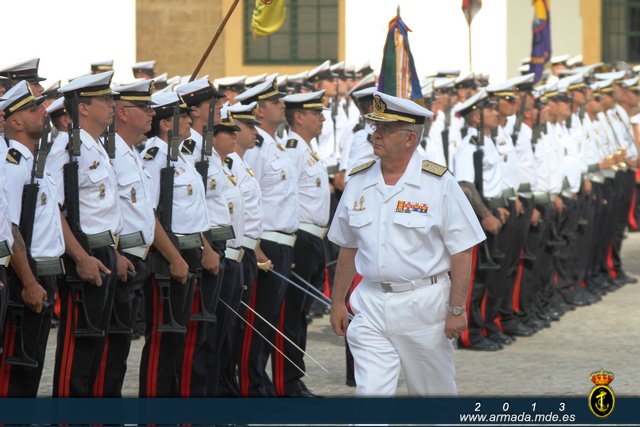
x=114 y=359
x=309 y=264
x=200 y=346
x=605 y=208
x=563 y=261
x=17 y=380
x=229 y=378
x=513 y=250
x=161 y=360
x=585 y=232
x=627 y=186
x=4 y=296
x=266 y=300
x=78 y=359
x=223 y=333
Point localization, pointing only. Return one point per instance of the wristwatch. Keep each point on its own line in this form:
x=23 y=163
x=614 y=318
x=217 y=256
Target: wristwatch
x=456 y=310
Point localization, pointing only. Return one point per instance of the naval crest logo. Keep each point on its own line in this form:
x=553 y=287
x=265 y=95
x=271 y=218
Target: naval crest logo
x=378 y=104
x=601 y=398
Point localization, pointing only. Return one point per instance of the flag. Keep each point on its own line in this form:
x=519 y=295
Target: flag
x=268 y=17
x=470 y=8
x=541 y=40
x=398 y=76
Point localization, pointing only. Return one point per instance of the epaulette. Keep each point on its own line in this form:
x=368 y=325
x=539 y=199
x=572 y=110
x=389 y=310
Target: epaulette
x=433 y=168
x=228 y=161
x=361 y=168
x=14 y=156
x=259 y=140
x=151 y=153
x=292 y=143
x=188 y=146
x=370 y=138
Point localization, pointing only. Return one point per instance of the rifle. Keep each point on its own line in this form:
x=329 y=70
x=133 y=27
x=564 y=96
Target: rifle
x=537 y=131
x=109 y=139
x=486 y=263
x=569 y=119
x=202 y=166
x=72 y=201
x=19 y=354
x=445 y=131
x=519 y=118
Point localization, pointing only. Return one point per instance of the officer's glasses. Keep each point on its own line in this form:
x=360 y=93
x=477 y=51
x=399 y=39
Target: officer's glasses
x=145 y=107
x=384 y=130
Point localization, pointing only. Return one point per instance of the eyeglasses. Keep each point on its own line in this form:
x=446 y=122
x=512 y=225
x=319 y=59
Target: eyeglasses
x=386 y=131
x=145 y=107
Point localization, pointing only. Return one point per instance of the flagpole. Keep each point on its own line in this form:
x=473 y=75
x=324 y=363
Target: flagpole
x=213 y=41
x=469 y=22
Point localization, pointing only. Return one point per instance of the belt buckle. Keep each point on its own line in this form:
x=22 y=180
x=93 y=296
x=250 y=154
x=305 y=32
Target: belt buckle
x=386 y=287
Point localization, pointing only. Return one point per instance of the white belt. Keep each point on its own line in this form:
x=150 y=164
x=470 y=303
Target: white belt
x=234 y=254
x=250 y=243
x=411 y=285
x=320 y=232
x=139 y=251
x=277 y=237
x=4 y=261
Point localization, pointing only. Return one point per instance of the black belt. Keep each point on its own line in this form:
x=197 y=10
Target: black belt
x=131 y=240
x=101 y=240
x=496 y=202
x=5 y=249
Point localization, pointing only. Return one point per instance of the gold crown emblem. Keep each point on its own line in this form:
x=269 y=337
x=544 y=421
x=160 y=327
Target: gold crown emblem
x=378 y=104
x=322 y=98
x=152 y=86
x=601 y=378
x=254 y=110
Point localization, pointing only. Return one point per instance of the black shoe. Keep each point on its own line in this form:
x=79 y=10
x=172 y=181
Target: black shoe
x=135 y=335
x=552 y=314
x=54 y=323
x=626 y=278
x=574 y=299
x=500 y=338
x=519 y=330
x=484 y=344
x=528 y=256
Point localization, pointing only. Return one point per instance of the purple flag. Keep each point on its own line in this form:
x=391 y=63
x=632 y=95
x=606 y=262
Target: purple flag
x=541 y=40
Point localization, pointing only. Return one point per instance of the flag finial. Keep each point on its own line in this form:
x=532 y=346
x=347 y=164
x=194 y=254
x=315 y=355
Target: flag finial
x=398 y=10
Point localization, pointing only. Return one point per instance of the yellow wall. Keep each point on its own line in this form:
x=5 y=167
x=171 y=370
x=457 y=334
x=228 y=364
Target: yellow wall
x=234 y=46
x=176 y=34
x=591 y=12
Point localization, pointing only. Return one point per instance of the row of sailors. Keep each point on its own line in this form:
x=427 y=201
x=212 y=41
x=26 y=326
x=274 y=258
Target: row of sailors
x=553 y=192
x=195 y=267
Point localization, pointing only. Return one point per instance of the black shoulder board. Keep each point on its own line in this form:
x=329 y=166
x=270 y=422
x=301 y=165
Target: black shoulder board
x=370 y=138
x=433 y=168
x=229 y=162
x=151 y=153
x=361 y=168
x=188 y=146
x=474 y=140
x=292 y=143
x=14 y=156
x=259 y=140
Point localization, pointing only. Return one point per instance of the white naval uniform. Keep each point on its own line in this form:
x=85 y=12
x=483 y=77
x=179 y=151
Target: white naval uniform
x=57 y=158
x=361 y=150
x=526 y=156
x=189 y=212
x=328 y=148
x=593 y=151
x=47 y=239
x=277 y=176
x=313 y=182
x=250 y=189
x=549 y=174
x=235 y=204
x=434 y=150
x=135 y=189
x=399 y=243
x=5 y=221
x=569 y=153
x=509 y=159
x=492 y=179
x=98 y=187
x=4 y=147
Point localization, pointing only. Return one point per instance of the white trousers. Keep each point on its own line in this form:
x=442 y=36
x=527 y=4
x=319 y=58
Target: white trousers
x=393 y=330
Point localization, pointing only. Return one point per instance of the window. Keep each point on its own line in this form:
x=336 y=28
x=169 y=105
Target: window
x=309 y=35
x=621 y=30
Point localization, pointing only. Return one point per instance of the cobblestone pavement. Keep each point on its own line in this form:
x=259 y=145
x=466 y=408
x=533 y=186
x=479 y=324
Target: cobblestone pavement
x=556 y=361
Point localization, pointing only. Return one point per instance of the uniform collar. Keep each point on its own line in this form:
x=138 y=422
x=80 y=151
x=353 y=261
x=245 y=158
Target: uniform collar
x=412 y=175
x=26 y=153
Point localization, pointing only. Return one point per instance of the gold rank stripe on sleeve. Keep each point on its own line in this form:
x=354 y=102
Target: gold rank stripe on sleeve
x=292 y=143
x=151 y=153
x=433 y=168
x=188 y=146
x=361 y=168
x=14 y=156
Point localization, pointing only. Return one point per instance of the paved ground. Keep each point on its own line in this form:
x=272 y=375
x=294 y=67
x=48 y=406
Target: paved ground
x=554 y=362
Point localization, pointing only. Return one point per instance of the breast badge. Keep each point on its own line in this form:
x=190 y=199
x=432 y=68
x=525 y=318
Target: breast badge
x=189 y=190
x=283 y=175
x=212 y=184
x=101 y=189
x=43 y=199
x=318 y=182
x=361 y=207
x=94 y=165
x=230 y=208
x=133 y=195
